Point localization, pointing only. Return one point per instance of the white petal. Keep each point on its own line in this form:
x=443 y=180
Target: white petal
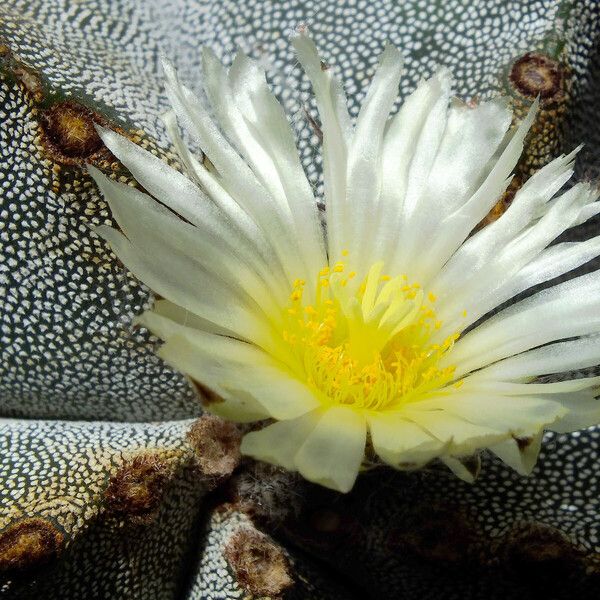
x=566 y=310
x=337 y=130
x=178 y=315
x=458 y=467
x=181 y=195
x=156 y=176
x=520 y=454
x=364 y=161
x=471 y=138
x=465 y=156
x=587 y=212
x=583 y=412
x=510 y=270
x=279 y=443
x=218 y=349
x=554 y=261
x=403 y=132
x=426 y=147
x=171 y=317
x=264 y=137
x=228 y=210
x=267 y=265
x=278 y=391
x=555 y=358
x=181 y=281
x=188 y=159
x=156 y=231
x=522 y=415
x=225 y=105
x=482 y=385
x=402 y=443
x=484 y=199
x=463 y=436
x=480 y=249
x=238 y=406
x=334 y=450
x=236 y=369
x=235 y=175
x=455 y=228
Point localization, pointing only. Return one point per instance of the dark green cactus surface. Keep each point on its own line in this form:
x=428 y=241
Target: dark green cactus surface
x=112 y=485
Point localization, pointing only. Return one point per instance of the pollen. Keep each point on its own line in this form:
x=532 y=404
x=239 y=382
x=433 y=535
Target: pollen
x=370 y=343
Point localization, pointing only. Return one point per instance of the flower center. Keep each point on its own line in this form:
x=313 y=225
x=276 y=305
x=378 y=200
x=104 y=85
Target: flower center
x=367 y=343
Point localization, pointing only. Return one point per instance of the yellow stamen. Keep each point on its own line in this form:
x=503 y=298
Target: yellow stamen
x=370 y=346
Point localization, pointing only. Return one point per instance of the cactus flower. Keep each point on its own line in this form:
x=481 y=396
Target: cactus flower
x=369 y=333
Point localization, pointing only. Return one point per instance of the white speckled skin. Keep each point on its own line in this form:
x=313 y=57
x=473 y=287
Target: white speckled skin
x=68 y=351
